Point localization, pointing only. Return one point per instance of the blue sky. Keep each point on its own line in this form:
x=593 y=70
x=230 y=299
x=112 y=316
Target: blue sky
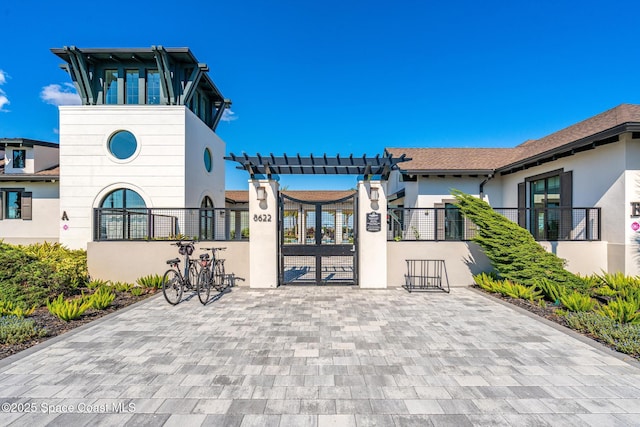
x=347 y=76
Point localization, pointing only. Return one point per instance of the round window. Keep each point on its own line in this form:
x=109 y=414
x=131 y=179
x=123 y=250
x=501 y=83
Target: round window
x=207 y=159
x=122 y=144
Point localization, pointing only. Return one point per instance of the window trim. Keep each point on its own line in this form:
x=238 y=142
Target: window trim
x=112 y=156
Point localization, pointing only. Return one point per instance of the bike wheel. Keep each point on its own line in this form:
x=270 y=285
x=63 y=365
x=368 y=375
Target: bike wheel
x=172 y=287
x=219 y=277
x=204 y=285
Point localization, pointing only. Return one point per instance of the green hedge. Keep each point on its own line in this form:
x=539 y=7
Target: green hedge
x=32 y=274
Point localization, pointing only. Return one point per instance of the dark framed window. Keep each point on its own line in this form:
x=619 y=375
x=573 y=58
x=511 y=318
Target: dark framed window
x=550 y=199
x=19 y=159
x=110 y=86
x=132 y=86
x=122 y=144
x=15 y=203
x=153 y=87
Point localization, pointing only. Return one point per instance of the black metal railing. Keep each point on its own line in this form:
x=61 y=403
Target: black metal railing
x=437 y=224
x=170 y=224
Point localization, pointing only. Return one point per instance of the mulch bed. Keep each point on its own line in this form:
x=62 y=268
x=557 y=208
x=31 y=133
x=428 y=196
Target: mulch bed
x=54 y=326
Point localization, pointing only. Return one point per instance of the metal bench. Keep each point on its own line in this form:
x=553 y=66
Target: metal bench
x=426 y=275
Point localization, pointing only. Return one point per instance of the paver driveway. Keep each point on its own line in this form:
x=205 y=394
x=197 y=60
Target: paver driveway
x=321 y=356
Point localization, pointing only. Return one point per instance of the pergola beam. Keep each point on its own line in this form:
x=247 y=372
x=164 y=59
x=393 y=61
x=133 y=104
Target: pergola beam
x=325 y=165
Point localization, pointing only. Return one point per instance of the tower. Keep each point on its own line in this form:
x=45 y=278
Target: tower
x=143 y=137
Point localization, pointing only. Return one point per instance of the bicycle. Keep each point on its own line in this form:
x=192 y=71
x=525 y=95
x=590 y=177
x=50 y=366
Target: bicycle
x=174 y=282
x=211 y=274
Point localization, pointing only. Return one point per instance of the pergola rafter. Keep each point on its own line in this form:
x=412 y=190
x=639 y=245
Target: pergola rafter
x=270 y=165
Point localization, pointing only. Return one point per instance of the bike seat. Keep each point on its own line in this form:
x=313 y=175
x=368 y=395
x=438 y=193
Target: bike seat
x=173 y=261
x=204 y=256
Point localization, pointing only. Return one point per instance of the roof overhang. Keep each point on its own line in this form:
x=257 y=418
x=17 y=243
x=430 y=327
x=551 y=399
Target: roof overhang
x=583 y=144
x=24 y=142
x=28 y=178
x=448 y=172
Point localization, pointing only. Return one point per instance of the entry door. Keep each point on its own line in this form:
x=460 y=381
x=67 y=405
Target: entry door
x=318 y=242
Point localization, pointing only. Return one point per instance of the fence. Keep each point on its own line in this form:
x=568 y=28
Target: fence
x=435 y=224
x=170 y=224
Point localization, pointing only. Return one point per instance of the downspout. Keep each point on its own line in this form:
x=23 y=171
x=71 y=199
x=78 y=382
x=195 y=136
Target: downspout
x=481 y=189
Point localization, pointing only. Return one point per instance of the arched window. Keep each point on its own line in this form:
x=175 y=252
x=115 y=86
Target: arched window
x=123 y=216
x=206 y=219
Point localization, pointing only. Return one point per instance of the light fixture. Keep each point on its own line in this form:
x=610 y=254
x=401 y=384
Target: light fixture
x=262 y=193
x=373 y=194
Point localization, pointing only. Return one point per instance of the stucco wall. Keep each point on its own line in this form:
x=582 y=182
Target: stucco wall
x=88 y=171
x=462 y=260
x=199 y=182
x=465 y=259
x=127 y=261
x=44 y=223
x=598 y=181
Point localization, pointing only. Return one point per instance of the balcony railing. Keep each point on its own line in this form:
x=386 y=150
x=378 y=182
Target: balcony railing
x=436 y=224
x=171 y=224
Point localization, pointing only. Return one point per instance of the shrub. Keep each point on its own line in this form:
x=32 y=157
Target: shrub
x=516 y=290
x=102 y=298
x=32 y=274
x=623 y=337
x=622 y=310
x=576 y=301
x=150 y=282
x=512 y=250
x=8 y=308
x=14 y=329
x=551 y=291
x=488 y=282
x=136 y=291
x=618 y=281
x=97 y=283
x=122 y=286
x=506 y=287
x=70 y=309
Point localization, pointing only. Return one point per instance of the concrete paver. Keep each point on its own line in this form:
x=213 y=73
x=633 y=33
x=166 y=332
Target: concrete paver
x=320 y=356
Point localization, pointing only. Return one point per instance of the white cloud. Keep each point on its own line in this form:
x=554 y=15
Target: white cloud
x=60 y=95
x=3 y=96
x=228 y=116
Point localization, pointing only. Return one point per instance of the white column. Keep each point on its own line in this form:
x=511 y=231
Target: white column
x=372 y=235
x=263 y=233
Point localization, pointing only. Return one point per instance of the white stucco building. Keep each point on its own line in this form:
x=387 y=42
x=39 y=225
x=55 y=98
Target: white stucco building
x=139 y=160
x=29 y=191
x=576 y=185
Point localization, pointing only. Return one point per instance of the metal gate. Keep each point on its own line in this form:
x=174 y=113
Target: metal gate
x=318 y=241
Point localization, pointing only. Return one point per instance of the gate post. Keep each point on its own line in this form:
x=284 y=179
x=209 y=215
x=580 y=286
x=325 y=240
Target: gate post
x=372 y=235
x=263 y=233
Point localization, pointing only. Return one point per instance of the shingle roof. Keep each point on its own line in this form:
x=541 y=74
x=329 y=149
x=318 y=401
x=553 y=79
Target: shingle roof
x=624 y=113
x=451 y=160
x=458 y=159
